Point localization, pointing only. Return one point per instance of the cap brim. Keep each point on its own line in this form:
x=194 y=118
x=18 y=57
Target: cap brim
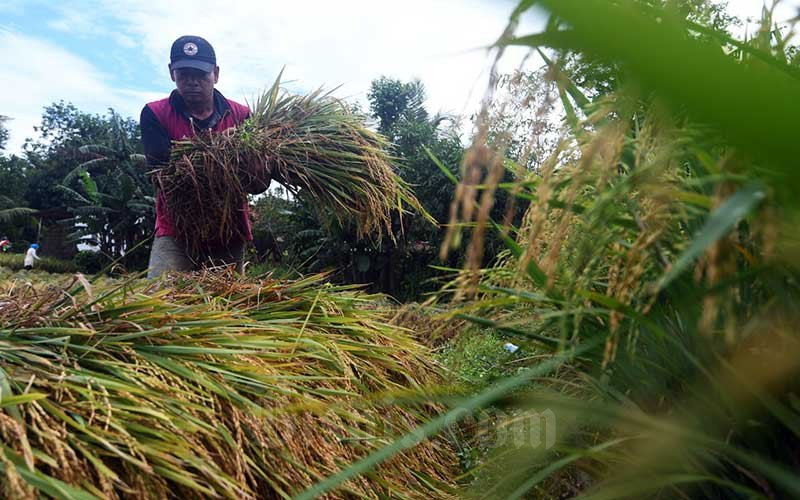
x=193 y=63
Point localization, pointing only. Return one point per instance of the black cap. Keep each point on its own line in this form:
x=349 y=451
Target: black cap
x=192 y=52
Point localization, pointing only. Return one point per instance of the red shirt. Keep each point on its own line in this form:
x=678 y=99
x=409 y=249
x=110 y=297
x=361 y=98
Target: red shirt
x=168 y=120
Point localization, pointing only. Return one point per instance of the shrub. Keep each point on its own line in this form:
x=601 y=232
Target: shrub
x=88 y=261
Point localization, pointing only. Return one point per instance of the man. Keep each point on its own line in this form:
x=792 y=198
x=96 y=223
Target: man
x=5 y=244
x=193 y=106
x=30 y=256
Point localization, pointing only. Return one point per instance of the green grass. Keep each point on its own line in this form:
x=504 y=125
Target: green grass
x=477 y=357
x=48 y=264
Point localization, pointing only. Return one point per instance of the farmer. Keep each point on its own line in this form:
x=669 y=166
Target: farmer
x=194 y=106
x=30 y=256
x=5 y=244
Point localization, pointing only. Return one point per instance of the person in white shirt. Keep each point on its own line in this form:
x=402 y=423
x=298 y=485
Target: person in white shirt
x=30 y=256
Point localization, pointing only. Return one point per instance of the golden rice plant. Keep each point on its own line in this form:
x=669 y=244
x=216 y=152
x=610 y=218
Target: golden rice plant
x=210 y=387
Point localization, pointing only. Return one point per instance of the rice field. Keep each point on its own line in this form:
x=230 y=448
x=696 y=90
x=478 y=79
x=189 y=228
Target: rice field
x=649 y=294
x=209 y=386
x=15 y=261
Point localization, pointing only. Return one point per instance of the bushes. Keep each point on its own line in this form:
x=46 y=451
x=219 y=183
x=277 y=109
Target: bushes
x=85 y=261
x=88 y=262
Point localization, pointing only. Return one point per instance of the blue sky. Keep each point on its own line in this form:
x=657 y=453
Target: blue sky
x=113 y=53
x=103 y=53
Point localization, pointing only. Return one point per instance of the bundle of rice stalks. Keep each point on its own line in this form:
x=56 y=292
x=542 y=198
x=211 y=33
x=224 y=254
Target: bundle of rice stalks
x=312 y=143
x=210 y=388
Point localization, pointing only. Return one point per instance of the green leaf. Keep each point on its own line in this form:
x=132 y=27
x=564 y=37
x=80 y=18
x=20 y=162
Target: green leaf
x=659 y=52
x=89 y=185
x=546 y=341
x=21 y=399
x=719 y=223
x=447 y=173
x=534 y=271
x=10 y=215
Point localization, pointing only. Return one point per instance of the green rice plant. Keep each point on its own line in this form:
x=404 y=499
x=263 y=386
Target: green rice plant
x=312 y=143
x=658 y=262
x=206 y=386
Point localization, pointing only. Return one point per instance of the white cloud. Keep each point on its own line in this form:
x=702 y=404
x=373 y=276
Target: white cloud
x=321 y=43
x=324 y=43
x=41 y=73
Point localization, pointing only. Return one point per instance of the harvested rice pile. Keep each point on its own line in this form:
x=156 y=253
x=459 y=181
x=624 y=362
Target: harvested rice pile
x=212 y=387
x=311 y=143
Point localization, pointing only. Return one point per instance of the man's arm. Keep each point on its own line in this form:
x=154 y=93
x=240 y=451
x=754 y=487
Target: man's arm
x=155 y=139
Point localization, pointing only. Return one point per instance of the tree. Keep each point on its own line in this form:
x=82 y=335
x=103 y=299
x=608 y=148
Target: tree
x=523 y=117
x=396 y=267
x=14 y=172
x=64 y=129
x=16 y=221
x=112 y=198
x=3 y=132
x=86 y=181
x=392 y=100
x=15 y=218
x=400 y=110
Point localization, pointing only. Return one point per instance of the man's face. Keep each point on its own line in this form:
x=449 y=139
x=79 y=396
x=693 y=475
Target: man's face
x=194 y=85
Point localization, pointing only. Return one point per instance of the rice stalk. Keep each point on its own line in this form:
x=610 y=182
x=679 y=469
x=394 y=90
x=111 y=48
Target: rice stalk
x=210 y=388
x=309 y=143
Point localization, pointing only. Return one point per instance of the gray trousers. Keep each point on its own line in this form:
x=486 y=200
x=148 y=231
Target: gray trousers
x=169 y=254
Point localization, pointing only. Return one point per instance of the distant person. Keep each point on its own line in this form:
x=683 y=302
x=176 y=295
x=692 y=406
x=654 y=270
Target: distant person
x=30 y=256
x=5 y=244
x=194 y=105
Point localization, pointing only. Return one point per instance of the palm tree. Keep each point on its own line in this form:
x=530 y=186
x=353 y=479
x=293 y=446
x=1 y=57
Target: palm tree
x=114 y=203
x=11 y=214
